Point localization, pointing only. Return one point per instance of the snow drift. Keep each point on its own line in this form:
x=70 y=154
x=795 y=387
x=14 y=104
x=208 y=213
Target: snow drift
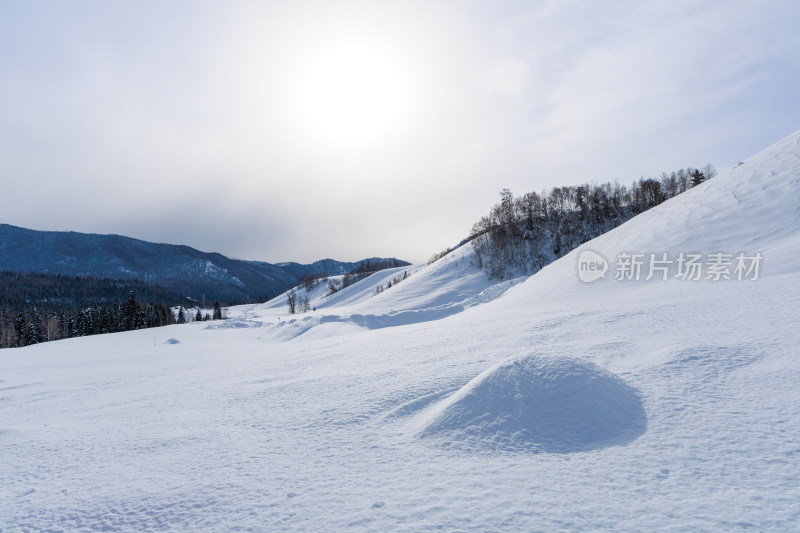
x=540 y=404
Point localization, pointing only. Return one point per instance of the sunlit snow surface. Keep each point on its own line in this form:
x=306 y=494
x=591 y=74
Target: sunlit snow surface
x=449 y=402
x=539 y=404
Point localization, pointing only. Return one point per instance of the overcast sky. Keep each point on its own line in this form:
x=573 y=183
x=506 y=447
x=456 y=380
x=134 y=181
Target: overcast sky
x=299 y=130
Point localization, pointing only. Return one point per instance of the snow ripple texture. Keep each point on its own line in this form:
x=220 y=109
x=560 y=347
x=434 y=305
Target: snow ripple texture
x=539 y=404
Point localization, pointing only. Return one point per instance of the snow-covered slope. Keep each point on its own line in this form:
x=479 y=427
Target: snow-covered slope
x=753 y=208
x=553 y=405
x=430 y=292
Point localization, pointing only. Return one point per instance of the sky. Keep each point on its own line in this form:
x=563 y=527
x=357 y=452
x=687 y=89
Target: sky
x=302 y=130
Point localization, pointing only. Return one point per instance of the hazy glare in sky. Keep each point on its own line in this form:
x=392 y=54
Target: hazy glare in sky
x=301 y=130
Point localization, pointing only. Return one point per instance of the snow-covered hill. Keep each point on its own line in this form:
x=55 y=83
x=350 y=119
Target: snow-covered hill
x=429 y=292
x=753 y=208
x=448 y=402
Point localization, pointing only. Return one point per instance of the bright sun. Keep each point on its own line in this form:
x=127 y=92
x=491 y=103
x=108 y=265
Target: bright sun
x=352 y=96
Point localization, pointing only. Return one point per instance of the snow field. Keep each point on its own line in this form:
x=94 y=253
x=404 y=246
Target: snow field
x=449 y=402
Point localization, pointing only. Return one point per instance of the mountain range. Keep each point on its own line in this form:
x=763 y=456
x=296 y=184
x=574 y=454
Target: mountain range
x=196 y=274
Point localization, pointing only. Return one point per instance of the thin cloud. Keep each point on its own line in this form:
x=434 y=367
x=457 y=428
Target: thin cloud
x=175 y=123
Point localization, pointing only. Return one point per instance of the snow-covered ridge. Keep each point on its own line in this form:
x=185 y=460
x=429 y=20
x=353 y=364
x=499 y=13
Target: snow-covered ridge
x=429 y=292
x=751 y=209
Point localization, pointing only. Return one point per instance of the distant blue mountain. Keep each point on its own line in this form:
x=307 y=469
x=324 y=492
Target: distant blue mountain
x=179 y=268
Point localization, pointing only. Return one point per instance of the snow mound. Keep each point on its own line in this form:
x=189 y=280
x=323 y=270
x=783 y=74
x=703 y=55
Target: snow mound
x=172 y=341
x=539 y=404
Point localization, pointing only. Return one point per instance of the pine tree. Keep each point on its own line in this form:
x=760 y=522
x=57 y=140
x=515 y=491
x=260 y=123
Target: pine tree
x=19 y=329
x=129 y=312
x=217 y=311
x=697 y=178
x=32 y=333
